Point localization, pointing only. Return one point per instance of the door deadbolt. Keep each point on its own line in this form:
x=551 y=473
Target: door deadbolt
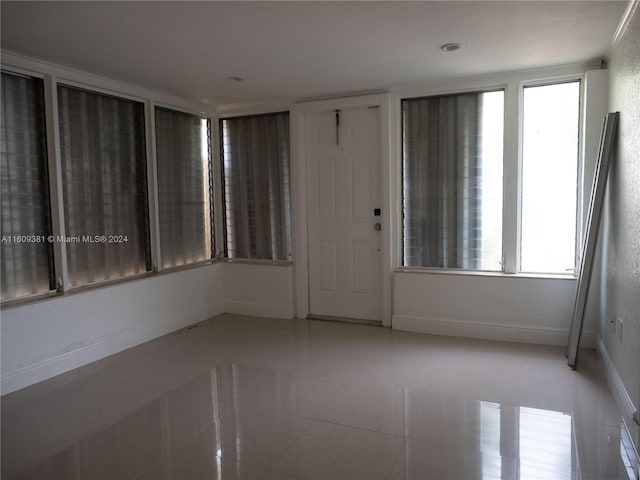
x=377 y=226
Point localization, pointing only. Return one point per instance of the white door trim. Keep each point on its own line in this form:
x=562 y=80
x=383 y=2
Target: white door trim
x=389 y=175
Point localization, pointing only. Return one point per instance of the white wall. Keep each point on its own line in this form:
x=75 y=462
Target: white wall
x=499 y=307
x=259 y=289
x=619 y=345
x=50 y=337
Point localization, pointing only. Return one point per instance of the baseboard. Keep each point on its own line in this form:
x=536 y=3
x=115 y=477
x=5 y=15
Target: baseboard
x=618 y=390
x=68 y=361
x=489 y=331
x=359 y=321
x=254 y=309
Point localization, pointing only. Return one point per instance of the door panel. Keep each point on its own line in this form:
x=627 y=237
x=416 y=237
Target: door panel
x=328 y=266
x=326 y=184
x=361 y=187
x=361 y=267
x=344 y=188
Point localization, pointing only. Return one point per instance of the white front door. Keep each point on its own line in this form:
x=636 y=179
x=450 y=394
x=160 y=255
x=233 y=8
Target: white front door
x=344 y=190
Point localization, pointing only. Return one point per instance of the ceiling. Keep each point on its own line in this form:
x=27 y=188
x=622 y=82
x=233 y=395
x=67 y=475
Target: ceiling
x=304 y=49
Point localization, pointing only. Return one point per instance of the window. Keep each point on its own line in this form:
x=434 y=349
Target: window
x=255 y=153
x=104 y=180
x=452 y=157
x=27 y=254
x=184 y=187
x=550 y=178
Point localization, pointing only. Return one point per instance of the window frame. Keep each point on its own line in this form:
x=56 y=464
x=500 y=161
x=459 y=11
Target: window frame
x=222 y=218
x=155 y=213
x=513 y=84
x=52 y=140
x=580 y=185
x=142 y=210
x=491 y=89
x=48 y=193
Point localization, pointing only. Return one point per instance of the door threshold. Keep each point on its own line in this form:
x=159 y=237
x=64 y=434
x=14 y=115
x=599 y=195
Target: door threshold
x=329 y=318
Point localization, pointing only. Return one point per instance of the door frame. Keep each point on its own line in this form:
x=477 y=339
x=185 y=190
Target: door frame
x=299 y=174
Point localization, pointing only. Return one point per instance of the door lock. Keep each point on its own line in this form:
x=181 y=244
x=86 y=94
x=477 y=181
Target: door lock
x=377 y=226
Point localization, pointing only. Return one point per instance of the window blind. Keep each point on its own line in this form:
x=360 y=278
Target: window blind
x=27 y=255
x=447 y=175
x=104 y=185
x=255 y=153
x=184 y=187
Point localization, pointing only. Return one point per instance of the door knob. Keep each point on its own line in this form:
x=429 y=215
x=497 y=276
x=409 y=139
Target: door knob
x=377 y=226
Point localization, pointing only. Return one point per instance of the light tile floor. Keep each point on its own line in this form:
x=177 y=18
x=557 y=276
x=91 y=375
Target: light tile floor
x=257 y=398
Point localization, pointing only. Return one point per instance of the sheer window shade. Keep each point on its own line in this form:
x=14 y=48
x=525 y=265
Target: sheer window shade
x=255 y=152
x=104 y=184
x=27 y=266
x=184 y=187
x=452 y=181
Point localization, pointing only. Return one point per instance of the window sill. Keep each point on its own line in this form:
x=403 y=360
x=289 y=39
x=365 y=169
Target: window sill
x=51 y=295
x=29 y=299
x=257 y=261
x=188 y=266
x=479 y=273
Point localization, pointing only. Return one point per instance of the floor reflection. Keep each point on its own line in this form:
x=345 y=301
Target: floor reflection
x=245 y=421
